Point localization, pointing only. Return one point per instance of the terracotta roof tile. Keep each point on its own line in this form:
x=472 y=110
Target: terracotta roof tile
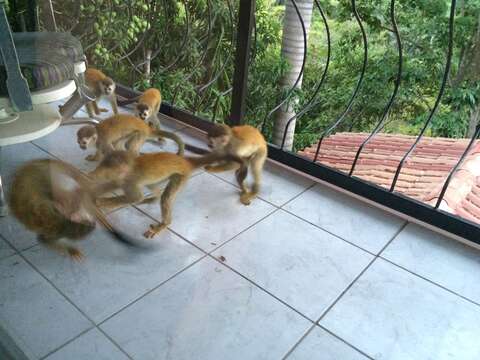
x=423 y=174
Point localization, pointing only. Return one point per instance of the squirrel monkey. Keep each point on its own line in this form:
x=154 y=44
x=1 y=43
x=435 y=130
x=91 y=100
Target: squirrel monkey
x=102 y=86
x=121 y=169
x=148 y=106
x=56 y=201
x=118 y=131
x=246 y=143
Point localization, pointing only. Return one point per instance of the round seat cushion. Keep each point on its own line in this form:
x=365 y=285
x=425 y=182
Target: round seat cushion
x=63 y=43
x=43 y=63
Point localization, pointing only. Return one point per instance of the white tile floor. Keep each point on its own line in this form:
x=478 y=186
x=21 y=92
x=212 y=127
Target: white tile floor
x=303 y=273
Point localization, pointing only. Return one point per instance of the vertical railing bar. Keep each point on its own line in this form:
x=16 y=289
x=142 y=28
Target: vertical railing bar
x=245 y=21
x=439 y=97
x=310 y=104
x=455 y=168
x=359 y=83
x=381 y=123
x=292 y=89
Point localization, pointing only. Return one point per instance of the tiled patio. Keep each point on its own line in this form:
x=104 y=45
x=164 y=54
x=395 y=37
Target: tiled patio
x=304 y=272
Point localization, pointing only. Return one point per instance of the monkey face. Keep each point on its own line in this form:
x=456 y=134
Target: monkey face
x=143 y=112
x=84 y=142
x=108 y=86
x=218 y=142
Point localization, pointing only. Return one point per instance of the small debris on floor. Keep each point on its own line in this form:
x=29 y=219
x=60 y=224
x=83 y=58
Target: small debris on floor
x=222 y=258
x=214 y=244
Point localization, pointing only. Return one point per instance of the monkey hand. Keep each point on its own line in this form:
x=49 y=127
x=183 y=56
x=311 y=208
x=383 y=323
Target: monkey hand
x=76 y=255
x=154 y=230
x=91 y=157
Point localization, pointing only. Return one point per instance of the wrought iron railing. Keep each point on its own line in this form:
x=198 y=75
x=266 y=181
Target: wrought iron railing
x=223 y=44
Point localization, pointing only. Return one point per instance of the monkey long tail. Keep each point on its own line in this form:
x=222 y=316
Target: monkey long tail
x=210 y=158
x=174 y=137
x=128 y=101
x=84 y=180
x=118 y=235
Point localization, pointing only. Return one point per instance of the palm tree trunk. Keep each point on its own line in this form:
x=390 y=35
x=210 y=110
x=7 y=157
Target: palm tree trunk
x=293 y=52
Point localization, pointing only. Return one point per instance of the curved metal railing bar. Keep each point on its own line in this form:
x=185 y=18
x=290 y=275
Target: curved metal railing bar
x=309 y=105
x=439 y=96
x=202 y=57
x=294 y=86
x=229 y=56
x=455 y=168
x=381 y=122
x=359 y=83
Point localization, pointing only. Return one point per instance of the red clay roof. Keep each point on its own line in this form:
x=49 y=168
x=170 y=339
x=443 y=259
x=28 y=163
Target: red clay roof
x=422 y=175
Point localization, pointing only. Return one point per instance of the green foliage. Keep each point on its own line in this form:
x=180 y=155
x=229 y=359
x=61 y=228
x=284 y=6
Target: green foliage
x=116 y=35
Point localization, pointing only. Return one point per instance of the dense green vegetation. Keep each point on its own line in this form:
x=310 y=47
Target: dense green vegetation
x=118 y=34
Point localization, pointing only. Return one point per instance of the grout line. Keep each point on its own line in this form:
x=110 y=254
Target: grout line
x=241 y=232
x=358 y=276
x=345 y=342
x=297 y=196
x=292 y=349
x=114 y=342
x=261 y=288
x=66 y=343
x=238 y=188
x=430 y=281
x=151 y=290
x=317 y=323
x=331 y=233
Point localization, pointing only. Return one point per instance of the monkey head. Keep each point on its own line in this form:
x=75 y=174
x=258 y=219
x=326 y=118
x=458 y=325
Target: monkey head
x=107 y=86
x=86 y=135
x=219 y=136
x=143 y=111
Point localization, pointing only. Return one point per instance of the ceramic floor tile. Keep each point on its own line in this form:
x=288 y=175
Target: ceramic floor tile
x=16 y=234
x=13 y=156
x=92 y=345
x=302 y=265
x=344 y=216
x=433 y=256
x=32 y=312
x=320 y=345
x=113 y=274
x=193 y=137
x=391 y=314
x=62 y=143
x=208 y=211
x=205 y=313
x=279 y=185
x=5 y=249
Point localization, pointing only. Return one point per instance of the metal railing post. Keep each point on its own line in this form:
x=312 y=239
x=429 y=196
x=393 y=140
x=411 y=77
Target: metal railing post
x=246 y=16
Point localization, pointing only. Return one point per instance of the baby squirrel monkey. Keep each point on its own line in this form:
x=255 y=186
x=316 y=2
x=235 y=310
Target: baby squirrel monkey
x=148 y=106
x=244 y=142
x=121 y=131
x=121 y=169
x=102 y=86
x=56 y=201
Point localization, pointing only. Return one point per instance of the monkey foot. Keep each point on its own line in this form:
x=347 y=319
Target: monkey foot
x=154 y=230
x=246 y=198
x=76 y=255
